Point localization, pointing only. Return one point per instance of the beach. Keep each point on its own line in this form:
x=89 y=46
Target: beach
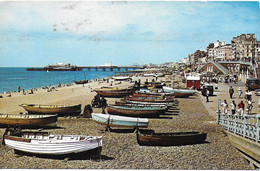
x=120 y=148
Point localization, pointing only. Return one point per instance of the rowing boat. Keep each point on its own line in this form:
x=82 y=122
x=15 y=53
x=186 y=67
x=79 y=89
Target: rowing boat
x=28 y=120
x=136 y=110
x=150 y=99
x=45 y=144
x=119 y=121
x=114 y=92
x=150 y=138
x=61 y=110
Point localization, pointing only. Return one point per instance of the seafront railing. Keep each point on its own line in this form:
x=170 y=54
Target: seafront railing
x=246 y=126
x=243 y=125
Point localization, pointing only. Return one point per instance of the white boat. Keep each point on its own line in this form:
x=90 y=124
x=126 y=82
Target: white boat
x=119 y=121
x=43 y=143
x=121 y=78
x=178 y=90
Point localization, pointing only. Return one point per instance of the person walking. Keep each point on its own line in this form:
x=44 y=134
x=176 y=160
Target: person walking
x=249 y=95
x=239 y=92
x=241 y=107
x=231 y=92
x=225 y=107
x=233 y=107
x=207 y=95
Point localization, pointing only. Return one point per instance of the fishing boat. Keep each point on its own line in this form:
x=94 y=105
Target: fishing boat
x=136 y=110
x=150 y=138
x=119 y=121
x=113 y=92
x=180 y=92
x=150 y=99
x=151 y=103
x=81 y=82
x=45 y=144
x=155 y=95
x=60 y=110
x=28 y=120
x=125 y=103
x=122 y=78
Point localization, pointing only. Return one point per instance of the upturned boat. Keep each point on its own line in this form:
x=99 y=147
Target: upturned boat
x=136 y=110
x=119 y=121
x=150 y=138
x=113 y=92
x=180 y=92
x=60 y=110
x=45 y=144
x=28 y=120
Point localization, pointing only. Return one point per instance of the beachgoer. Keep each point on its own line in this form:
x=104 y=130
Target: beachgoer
x=231 y=91
x=233 y=107
x=225 y=107
x=207 y=95
x=19 y=89
x=246 y=95
x=249 y=95
x=241 y=107
x=249 y=107
x=239 y=92
x=103 y=102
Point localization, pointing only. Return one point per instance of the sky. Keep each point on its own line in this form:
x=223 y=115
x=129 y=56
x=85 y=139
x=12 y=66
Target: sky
x=90 y=33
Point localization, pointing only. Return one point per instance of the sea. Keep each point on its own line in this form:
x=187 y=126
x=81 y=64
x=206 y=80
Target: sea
x=13 y=77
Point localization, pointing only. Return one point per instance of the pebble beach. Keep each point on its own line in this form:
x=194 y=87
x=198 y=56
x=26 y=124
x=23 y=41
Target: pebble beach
x=120 y=149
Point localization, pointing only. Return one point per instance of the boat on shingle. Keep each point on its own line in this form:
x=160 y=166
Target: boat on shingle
x=60 y=110
x=119 y=121
x=150 y=138
x=48 y=145
x=137 y=111
x=27 y=120
x=113 y=91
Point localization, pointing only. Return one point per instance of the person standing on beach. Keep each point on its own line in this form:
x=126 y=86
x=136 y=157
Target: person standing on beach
x=103 y=102
x=233 y=107
x=19 y=89
x=231 y=91
x=239 y=92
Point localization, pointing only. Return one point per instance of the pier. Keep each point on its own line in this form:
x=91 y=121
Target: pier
x=110 y=68
x=80 y=68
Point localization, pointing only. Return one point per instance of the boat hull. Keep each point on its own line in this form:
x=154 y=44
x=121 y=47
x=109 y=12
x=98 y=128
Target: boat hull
x=60 y=110
x=28 y=120
x=53 y=145
x=119 y=121
x=149 y=138
x=136 y=111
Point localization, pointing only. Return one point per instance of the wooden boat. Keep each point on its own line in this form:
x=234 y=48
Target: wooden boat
x=150 y=138
x=158 y=96
x=81 y=82
x=151 y=103
x=60 y=110
x=136 y=110
x=180 y=92
x=119 y=121
x=114 y=92
x=28 y=120
x=150 y=99
x=122 y=78
x=45 y=144
x=124 y=103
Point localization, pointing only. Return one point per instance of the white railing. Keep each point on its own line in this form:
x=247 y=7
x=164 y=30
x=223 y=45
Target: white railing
x=246 y=126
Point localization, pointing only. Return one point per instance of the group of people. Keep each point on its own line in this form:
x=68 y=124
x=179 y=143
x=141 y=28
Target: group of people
x=237 y=109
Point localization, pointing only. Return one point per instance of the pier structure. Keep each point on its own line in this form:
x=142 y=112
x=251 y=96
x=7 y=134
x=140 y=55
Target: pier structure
x=110 y=68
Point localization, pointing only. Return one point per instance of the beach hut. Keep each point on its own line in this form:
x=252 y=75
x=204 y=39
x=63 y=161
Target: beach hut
x=193 y=81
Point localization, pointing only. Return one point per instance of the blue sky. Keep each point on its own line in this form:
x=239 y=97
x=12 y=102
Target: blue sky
x=122 y=33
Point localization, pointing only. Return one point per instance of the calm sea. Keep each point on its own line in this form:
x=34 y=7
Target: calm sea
x=12 y=78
